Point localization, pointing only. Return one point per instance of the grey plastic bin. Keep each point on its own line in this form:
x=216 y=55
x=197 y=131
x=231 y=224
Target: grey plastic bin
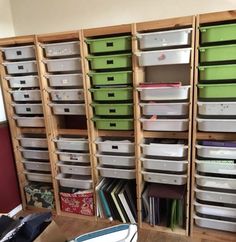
x=65 y=80
x=33 y=142
x=29 y=121
x=23 y=67
x=74 y=169
x=67 y=94
x=28 y=108
x=36 y=166
x=63 y=65
x=35 y=154
x=28 y=95
x=19 y=52
x=68 y=109
x=117 y=173
x=23 y=81
x=76 y=144
x=38 y=177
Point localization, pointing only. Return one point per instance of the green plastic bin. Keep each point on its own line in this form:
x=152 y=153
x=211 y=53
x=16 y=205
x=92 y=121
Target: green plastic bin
x=112 y=94
x=217 y=90
x=217 y=53
x=217 y=72
x=110 y=61
x=112 y=44
x=114 y=124
x=218 y=33
x=113 y=109
x=111 y=78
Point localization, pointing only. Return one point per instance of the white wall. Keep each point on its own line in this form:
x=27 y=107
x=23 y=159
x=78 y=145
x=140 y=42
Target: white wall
x=6 y=30
x=43 y=16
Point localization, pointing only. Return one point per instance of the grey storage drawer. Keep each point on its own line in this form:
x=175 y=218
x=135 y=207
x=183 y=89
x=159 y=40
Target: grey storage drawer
x=68 y=109
x=116 y=172
x=28 y=95
x=67 y=95
x=74 y=157
x=29 y=121
x=38 y=177
x=76 y=144
x=25 y=67
x=63 y=65
x=28 y=108
x=23 y=81
x=33 y=142
x=65 y=80
x=67 y=168
x=36 y=166
x=35 y=154
x=19 y=52
x=62 y=49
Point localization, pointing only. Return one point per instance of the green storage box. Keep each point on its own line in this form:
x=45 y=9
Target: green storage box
x=217 y=72
x=113 y=109
x=111 y=78
x=110 y=61
x=112 y=94
x=114 y=124
x=112 y=44
x=218 y=33
x=217 y=90
x=217 y=53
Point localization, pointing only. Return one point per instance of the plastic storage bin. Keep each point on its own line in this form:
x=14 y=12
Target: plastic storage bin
x=68 y=109
x=23 y=67
x=65 y=80
x=115 y=145
x=217 y=72
x=113 y=109
x=27 y=95
x=218 y=33
x=111 y=44
x=76 y=144
x=165 y=109
x=227 y=90
x=164 y=178
x=73 y=157
x=164 y=57
x=36 y=166
x=114 y=124
x=217 y=53
x=62 y=49
x=217 y=125
x=165 y=124
x=110 y=61
x=67 y=94
x=38 y=177
x=217 y=108
x=23 y=81
x=75 y=181
x=111 y=78
x=112 y=94
x=19 y=52
x=63 y=65
x=33 y=142
x=216 y=152
x=74 y=169
x=164 y=165
x=28 y=108
x=178 y=37
x=116 y=160
x=29 y=121
x=116 y=172
x=163 y=93
x=35 y=154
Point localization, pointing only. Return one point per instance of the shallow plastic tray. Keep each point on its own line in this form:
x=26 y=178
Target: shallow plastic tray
x=23 y=81
x=217 y=125
x=116 y=172
x=63 y=65
x=164 y=165
x=38 y=177
x=75 y=181
x=74 y=169
x=62 y=49
x=114 y=124
x=164 y=57
x=32 y=108
x=67 y=94
x=115 y=160
x=35 y=154
x=27 y=95
x=165 y=109
x=33 y=142
x=37 y=166
x=29 y=121
x=76 y=144
x=23 y=67
x=19 y=52
x=65 y=80
x=178 y=37
x=164 y=178
x=217 y=108
x=165 y=124
x=115 y=109
x=163 y=93
x=74 y=157
x=68 y=109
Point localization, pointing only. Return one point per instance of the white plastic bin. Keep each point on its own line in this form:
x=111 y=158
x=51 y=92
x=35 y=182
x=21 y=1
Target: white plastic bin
x=74 y=169
x=217 y=125
x=164 y=178
x=28 y=108
x=164 y=57
x=75 y=181
x=62 y=49
x=23 y=81
x=68 y=109
x=217 y=108
x=115 y=145
x=67 y=94
x=37 y=166
x=76 y=144
x=23 y=67
x=178 y=37
x=29 y=121
x=33 y=142
x=163 y=93
x=19 y=52
x=27 y=95
x=165 y=124
x=35 y=154
x=165 y=109
x=117 y=173
x=38 y=177
x=216 y=152
x=74 y=157
x=65 y=80
x=63 y=65
x=113 y=160
x=164 y=165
